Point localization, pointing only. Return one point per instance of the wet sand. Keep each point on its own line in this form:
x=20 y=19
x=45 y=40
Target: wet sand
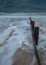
x=23 y=58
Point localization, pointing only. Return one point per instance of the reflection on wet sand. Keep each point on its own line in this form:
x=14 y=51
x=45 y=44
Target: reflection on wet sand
x=24 y=58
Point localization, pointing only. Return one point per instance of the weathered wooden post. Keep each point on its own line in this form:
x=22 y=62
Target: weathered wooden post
x=30 y=20
x=36 y=34
x=33 y=23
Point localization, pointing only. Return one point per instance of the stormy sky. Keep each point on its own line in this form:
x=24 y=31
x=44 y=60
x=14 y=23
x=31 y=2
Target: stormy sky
x=23 y=6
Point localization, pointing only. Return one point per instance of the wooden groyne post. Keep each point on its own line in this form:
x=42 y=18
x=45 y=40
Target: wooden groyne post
x=30 y=20
x=35 y=36
x=32 y=23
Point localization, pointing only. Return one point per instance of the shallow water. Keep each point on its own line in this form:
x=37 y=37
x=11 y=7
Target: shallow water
x=20 y=36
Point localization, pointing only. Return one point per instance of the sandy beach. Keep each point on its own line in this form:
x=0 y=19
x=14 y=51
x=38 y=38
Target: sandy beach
x=16 y=46
x=23 y=58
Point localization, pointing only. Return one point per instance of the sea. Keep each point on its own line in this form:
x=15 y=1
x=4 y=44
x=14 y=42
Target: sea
x=15 y=32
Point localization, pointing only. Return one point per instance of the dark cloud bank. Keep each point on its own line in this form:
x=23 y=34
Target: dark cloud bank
x=37 y=6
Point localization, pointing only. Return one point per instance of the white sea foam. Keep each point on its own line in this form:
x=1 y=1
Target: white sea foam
x=20 y=36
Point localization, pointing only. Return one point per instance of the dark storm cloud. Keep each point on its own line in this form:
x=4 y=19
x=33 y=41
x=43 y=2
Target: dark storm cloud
x=23 y=5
